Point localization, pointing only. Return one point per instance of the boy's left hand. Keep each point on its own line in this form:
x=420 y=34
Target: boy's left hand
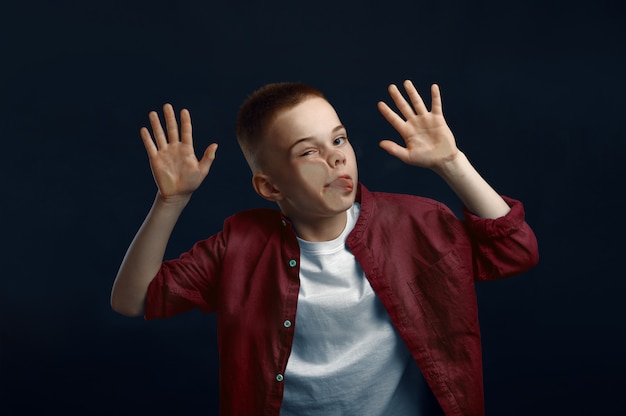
x=428 y=139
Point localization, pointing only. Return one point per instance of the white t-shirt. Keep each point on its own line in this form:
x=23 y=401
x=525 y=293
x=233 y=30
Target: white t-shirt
x=347 y=358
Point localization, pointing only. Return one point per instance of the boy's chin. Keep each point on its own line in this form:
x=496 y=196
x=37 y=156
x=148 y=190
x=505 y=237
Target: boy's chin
x=347 y=202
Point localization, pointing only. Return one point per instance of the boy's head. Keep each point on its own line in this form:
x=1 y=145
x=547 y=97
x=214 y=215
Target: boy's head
x=298 y=151
x=258 y=112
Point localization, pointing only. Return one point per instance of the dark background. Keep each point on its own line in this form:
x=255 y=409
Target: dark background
x=533 y=90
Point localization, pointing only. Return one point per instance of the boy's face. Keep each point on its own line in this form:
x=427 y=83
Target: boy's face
x=310 y=162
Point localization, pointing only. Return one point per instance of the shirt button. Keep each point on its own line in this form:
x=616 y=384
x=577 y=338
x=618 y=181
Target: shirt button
x=279 y=377
x=284 y=223
x=287 y=323
x=292 y=263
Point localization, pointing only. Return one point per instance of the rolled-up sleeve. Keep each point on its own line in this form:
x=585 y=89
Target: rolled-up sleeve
x=504 y=246
x=188 y=282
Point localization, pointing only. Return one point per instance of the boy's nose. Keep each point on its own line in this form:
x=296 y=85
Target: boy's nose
x=336 y=158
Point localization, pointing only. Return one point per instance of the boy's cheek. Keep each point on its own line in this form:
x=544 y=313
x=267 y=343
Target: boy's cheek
x=313 y=173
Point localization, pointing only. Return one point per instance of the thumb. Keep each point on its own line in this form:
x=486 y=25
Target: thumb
x=207 y=159
x=394 y=149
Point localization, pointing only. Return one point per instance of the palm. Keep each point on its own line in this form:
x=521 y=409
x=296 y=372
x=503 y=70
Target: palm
x=175 y=167
x=428 y=139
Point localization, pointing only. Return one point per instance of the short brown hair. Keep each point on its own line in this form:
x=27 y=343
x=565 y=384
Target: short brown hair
x=259 y=110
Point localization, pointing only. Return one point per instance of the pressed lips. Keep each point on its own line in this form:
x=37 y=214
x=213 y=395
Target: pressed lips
x=342 y=182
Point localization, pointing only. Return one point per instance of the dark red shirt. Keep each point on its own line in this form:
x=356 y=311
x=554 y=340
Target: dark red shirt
x=419 y=258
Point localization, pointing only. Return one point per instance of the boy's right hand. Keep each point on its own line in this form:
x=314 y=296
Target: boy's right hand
x=176 y=170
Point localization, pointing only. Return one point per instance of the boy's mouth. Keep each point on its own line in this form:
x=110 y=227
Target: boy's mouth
x=342 y=182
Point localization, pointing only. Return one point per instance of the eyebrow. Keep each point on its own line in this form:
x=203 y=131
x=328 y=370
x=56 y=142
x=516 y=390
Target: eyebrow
x=304 y=139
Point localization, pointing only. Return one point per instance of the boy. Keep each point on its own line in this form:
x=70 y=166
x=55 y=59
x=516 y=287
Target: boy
x=339 y=302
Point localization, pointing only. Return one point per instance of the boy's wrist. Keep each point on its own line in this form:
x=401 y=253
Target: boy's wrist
x=454 y=167
x=177 y=202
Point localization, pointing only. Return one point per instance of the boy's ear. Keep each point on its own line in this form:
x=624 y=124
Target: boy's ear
x=265 y=188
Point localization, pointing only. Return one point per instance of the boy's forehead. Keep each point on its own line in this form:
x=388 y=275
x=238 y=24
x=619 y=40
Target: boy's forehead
x=310 y=117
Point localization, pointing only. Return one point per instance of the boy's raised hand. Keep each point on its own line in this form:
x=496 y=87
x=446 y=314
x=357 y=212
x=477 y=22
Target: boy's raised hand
x=428 y=139
x=175 y=168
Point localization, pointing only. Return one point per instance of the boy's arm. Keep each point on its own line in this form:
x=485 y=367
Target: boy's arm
x=177 y=173
x=430 y=144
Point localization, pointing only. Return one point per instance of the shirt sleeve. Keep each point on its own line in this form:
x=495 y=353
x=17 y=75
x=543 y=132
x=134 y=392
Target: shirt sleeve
x=504 y=246
x=188 y=282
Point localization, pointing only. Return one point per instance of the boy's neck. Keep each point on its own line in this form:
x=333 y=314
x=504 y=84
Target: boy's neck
x=321 y=229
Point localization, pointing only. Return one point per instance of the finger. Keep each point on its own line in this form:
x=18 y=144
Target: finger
x=437 y=105
x=402 y=104
x=207 y=159
x=185 y=127
x=394 y=149
x=394 y=119
x=157 y=129
x=148 y=143
x=170 y=123
x=416 y=99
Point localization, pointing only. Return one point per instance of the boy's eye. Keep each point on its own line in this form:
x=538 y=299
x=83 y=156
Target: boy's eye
x=338 y=141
